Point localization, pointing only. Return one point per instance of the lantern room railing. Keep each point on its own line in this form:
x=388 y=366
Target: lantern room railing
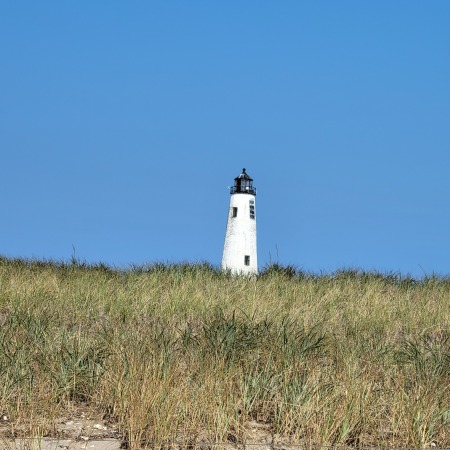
x=242 y=190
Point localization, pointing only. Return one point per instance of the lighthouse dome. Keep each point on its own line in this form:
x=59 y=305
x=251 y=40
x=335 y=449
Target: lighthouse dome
x=243 y=184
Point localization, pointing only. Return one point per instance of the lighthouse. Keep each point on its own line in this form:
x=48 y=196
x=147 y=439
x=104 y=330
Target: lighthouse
x=239 y=250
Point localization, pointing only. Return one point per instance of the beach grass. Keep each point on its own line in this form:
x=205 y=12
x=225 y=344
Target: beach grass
x=186 y=353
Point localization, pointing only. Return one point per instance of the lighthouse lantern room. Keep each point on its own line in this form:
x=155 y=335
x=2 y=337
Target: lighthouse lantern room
x=239 y=251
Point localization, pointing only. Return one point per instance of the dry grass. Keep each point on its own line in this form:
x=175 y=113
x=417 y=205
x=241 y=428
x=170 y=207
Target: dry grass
x=187 y=353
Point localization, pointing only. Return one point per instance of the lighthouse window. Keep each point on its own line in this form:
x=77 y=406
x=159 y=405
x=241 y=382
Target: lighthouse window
x=247 y=260
x=234 y=212
x=252 y=209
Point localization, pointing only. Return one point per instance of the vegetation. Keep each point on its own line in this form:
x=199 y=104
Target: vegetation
x=187 y=353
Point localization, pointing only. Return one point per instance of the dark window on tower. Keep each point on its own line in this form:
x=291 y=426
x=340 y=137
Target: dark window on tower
x=247 y=260
x=252 y=209
x=234 y=212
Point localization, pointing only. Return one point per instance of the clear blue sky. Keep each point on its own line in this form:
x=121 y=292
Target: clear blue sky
x=123 y=123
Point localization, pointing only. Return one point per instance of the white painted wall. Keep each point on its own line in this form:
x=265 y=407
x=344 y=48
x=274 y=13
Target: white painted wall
x=240 y=237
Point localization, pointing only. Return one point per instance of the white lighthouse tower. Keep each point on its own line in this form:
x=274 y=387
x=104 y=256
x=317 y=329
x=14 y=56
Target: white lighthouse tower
x=239 y=250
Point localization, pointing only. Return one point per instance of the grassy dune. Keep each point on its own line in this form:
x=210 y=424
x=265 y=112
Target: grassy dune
x=187 y=353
